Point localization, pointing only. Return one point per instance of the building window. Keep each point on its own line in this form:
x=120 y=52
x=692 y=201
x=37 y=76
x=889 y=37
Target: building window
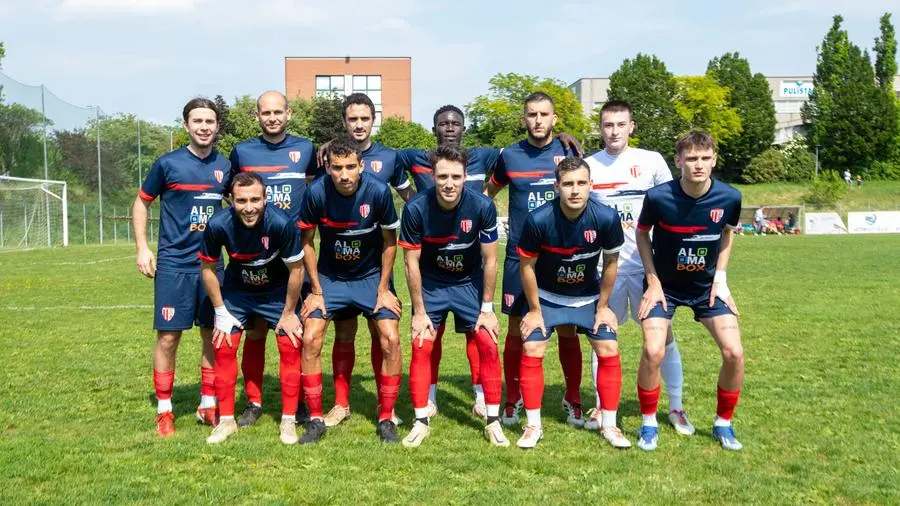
x=371 y=86
x=330 y=85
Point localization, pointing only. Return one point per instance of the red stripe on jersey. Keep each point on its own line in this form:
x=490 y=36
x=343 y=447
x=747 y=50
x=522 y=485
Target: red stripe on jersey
x=534 y=173
x=681 y=230
x=498 y=184
x=418 y=169
x=205 y=258
x=526 y=254
x=644 y=228
x=189 y=187
x=561 y=251
x=263 y=168
x=338 y=224
x=302 y=225
x=608 y=186
x=244 y=256
x=439 y=240
x=409 y=245
x=146 y=196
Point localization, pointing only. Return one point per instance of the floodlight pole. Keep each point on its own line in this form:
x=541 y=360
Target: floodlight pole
x=99 y=173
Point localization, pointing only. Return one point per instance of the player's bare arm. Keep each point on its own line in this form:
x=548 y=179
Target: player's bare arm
x=315 y=299
x=720 y=285
x=605 y=315
x=224 y=321
x=535 y=318
x=491 y=189
x=289 y=324
x=571 y=144
x=487 y=318
x=407 y=193
x=386 y=299
x=654 y=293
x=421 y=326
x=146 y=261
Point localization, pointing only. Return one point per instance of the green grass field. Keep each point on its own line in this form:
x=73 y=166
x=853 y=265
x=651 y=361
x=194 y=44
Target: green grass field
x=822 y=338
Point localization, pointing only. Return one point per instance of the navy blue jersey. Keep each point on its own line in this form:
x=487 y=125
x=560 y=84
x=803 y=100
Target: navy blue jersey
x=529 y=172
x=256 y=256
x=283 y=168
x=350 y=243
x=381 y=162
x=450 y=240
x=481 y=162
x=687 y=232
x=190 y=190
x=568 y=251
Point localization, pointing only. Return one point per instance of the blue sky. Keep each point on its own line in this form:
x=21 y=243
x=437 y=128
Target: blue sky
x=149 y=56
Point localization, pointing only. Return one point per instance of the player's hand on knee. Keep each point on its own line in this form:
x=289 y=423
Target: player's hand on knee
x=224 y=323
x=312 y=302
x=605 y=316
x=720 y=289
x=146 y=263
x=290 y=326
x=488 y=320
x=653 y=296
x=421 y=328
x=532 y=321
x=387 y=300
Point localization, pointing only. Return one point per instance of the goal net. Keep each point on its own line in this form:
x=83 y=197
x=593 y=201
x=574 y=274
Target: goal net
x=33 y=213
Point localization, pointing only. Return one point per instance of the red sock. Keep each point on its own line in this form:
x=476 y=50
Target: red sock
x=512 y=358
x=289 y=374
x=312 y=393
x=726 y=402
x=207 y=381
x=570 y=360
x=253 y=364
x=473 y=355
x=163 y=383
x=648 y=400
x=420 y=372
x=343 y=357
x=532 y=381
x=226 y=374
x=377 y=361
x=489 y=364
x=390 y=389
x=609 y=382
x=436 y=352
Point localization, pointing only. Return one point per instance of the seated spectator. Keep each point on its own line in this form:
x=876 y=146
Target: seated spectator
x=779 y=225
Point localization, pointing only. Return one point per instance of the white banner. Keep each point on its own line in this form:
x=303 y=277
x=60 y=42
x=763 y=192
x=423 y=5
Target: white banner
x=823 y=223
x=876 y=222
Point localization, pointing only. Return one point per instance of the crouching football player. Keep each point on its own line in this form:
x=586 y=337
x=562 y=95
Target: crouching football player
x=559 y=247
x=263 y=279
x=449 y=234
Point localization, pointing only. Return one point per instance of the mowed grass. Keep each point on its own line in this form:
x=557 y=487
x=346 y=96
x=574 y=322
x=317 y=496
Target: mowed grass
x=818 y=414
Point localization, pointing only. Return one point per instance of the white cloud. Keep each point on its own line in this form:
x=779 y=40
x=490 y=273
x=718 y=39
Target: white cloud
x=107 y=7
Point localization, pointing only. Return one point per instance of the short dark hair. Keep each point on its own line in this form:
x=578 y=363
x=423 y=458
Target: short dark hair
x=357 y=99
x=343 y=145
x=447 y=108
x=695 y=139
x=538 y=96
x=199 y=103
x=245 y=179
x=448 y=153
x=617 y=106
x=568 y=164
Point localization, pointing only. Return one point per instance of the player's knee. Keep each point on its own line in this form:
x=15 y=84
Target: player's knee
x=653 y=354
x=167 y=342
x=534 y=349
x=733 y=354
x=606 y=348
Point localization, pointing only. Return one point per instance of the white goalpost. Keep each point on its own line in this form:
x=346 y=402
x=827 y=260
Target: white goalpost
x=33 y=213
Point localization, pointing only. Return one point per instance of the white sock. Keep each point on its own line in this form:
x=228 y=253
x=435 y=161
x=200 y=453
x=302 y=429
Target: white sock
x=479 y=393
x=493 y=409
x=721 y=422
x=607 y=418
x=432 y=393
x=595 y=364
x=421 y=412
x=673 y=375
x=288 y=418
x=163 y=405
x=534 y=417
x=649 y=420
x=226 y=418
x=207 y=401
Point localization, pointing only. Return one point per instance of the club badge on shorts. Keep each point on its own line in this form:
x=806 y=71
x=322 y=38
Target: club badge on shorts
x=294 y=156
x=508 y=299
x=716 y=214
x=168 y=312
x=364 y=210
x=465 y=226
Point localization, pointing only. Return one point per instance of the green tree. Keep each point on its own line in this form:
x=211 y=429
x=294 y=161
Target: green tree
x=495 y=118
x=767 y=167
x=650 y=88
x=398 y=133
x=326 y=119
x=886 y=55
x=21 y=152
x=240 y=125
x=704 y=104
x=752 y=98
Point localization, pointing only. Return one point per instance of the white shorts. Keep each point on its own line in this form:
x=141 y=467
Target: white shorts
x=628 y=291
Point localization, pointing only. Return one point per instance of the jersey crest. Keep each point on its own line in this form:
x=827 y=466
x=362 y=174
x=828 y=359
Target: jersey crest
x=219 y=175
x=168 y=312
x=509 y=299
x=716 y=214
x=294 y=156
x=376 y=166
x=590 y=235
x=265 y=241
x=557 y=159
x=364 y=209
x=465 y=226
x=635 y=171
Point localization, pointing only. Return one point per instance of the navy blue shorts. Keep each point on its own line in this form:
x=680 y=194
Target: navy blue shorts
x=698 y=303
x=514 y=302
x=556 y=315
x=180 y=301
x=244 y=305
x=463 y=300
x=347 y=299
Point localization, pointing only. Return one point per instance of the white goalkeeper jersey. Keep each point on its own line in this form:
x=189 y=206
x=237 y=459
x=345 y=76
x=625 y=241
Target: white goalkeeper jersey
x=621 y=182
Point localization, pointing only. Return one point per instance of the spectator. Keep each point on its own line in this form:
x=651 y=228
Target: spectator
x=779 y=225
x=859 y=180
x=848 y=178
x=790 y=226
x=759 y=218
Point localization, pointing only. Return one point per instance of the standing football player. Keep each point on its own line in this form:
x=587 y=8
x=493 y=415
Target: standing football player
x=190 y=183
x=685 y=264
